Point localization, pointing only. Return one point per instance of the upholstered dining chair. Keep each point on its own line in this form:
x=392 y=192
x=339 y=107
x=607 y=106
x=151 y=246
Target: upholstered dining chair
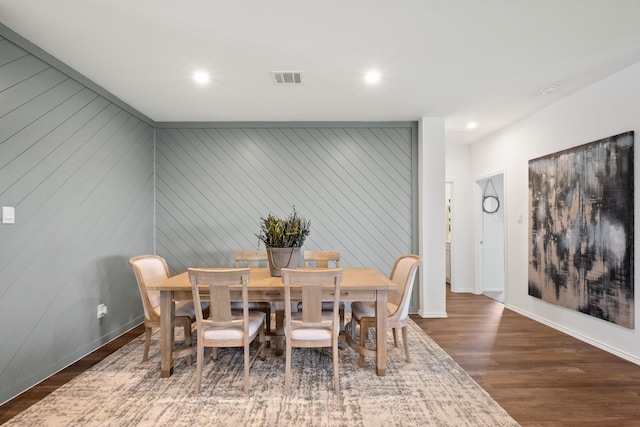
x=324 y=259
x=150 y=269
x=253 y=259
x=364 y=313
x=312 y=327
x=223 y=328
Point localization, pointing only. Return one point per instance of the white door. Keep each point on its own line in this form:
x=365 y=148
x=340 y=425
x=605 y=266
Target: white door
x=491 y=233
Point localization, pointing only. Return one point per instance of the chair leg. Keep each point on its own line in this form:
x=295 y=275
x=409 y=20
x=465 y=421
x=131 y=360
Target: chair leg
x=187 y=338
x=267 y=315
x=336 y=379
x=406 y=343
x=263 y=345
x=342 y=340
x=364 y=331
x=353 y=326
x=199 y=363
x=147 y=343
x=395 y=337
x=287 y=368
x=187 y=332
x=247 y=363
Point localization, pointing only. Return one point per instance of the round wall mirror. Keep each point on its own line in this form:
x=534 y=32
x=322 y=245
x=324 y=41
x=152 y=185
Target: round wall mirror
x=490 y=204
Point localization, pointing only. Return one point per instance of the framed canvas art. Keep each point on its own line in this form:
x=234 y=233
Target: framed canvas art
x=581 y=229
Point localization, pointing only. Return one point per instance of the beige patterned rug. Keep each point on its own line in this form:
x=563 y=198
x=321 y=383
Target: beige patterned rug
x=121 y=391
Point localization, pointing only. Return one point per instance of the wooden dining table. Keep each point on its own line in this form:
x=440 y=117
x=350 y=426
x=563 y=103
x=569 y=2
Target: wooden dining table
x=358 y=284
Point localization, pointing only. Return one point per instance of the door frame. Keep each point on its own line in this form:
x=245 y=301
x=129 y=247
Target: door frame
x=449 y=221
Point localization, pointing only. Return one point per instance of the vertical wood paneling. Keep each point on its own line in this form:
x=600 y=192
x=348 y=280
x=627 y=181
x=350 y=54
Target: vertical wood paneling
x=355 y=184
x=79 y=171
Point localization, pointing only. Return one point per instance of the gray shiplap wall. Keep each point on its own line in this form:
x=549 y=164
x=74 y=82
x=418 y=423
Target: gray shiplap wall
x=78 y=165
x=355 y=182
x=79 y=171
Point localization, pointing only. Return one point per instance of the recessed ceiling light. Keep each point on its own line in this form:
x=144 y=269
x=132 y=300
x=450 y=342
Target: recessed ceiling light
x=201 y=77
x=372 y=77
x=472 y=125
x=549 y=89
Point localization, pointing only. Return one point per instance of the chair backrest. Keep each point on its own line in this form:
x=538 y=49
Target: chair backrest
x=321 y=258
x=315 y=286
x=149 y=269
x=251 y=258
x=403 y=274
x=217 y=284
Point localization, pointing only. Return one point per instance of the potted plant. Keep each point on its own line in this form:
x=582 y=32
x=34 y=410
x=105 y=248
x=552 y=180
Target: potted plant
x=283 y=237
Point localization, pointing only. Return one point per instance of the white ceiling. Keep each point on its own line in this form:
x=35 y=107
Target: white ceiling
x=463 y=60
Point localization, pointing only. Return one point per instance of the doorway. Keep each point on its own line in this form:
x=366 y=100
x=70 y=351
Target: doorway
x=491 y=237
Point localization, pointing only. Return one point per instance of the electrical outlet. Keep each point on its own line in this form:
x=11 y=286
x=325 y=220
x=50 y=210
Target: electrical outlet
x=102 y=311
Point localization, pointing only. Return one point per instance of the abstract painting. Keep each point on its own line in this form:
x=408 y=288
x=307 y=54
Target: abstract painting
x=581 y=234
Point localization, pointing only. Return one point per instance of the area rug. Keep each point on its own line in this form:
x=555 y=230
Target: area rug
x=121 y=391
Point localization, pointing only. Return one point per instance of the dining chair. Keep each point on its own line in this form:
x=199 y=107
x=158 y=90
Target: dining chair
x=224 y=328
x=324 y=259
x=321 y=259
x=254 y=259
x=313 y=327
x=251 y=258
x=364 y=313
x=150 y=269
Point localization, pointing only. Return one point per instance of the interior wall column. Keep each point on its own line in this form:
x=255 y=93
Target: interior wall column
x=431 y=217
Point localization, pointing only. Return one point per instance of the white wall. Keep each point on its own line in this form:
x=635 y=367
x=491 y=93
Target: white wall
x=458 y=173
x=431 y=231
x=608 y=107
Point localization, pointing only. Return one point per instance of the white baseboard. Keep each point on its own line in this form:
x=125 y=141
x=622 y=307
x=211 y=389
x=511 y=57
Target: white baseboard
x=440 y=315
x=463 y=291
x=577 y=335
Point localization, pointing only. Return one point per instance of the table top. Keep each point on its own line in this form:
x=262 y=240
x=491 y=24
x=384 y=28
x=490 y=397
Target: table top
x=261 y=279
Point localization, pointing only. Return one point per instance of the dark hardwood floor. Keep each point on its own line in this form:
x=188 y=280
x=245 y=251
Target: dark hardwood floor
x=33 y=395
x=542 y=377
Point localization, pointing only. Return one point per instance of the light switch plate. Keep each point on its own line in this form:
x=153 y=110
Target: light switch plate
x=8 y=215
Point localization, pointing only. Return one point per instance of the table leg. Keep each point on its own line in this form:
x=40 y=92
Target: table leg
x=381 y=332
x=167 y=314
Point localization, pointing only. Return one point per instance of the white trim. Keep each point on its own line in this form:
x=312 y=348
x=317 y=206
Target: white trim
x=452 y=246
x=464 y=291
x=441 y=315
x=505 y=219
x=154 y=192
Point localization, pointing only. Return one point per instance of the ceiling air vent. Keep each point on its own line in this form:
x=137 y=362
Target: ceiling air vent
x=287 y=77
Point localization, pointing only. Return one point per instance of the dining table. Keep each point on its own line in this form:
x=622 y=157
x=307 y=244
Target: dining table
x=358 y=284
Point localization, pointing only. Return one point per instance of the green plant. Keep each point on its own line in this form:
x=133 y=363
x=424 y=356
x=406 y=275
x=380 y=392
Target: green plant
x=288 y=232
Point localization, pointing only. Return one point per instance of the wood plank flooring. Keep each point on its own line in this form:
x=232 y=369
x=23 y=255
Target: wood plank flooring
x=542 y=377
x=40 y=391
